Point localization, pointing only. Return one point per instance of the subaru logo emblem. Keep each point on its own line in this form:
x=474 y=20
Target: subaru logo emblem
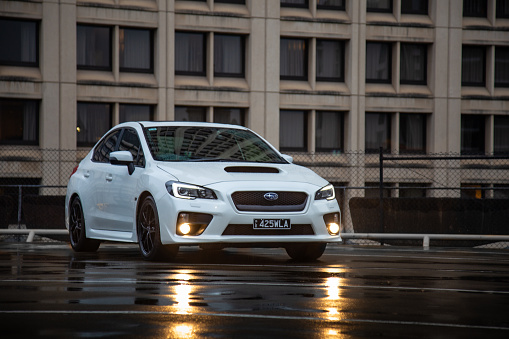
x=271 y=196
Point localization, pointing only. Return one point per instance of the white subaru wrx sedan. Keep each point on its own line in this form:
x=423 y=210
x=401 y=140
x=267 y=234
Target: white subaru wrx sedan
x=170 y=184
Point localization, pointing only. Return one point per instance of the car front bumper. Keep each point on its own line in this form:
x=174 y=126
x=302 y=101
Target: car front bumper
x=231 y=226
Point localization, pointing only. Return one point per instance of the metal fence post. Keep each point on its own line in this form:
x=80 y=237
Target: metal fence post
x=20 y=188
x=382 y=229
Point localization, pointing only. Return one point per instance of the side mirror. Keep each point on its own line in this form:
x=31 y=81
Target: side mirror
x=123 y=158
x=288 y=158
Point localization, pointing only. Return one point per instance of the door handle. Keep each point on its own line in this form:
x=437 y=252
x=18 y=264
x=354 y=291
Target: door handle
x=109 y=177
x=86 y=175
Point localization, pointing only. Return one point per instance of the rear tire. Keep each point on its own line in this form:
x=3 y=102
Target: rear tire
x=77 y=230
x=305 y=251
x=149 y=235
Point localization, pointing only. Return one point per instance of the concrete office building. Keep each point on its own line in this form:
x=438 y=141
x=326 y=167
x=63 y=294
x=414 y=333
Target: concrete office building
x=311 y=76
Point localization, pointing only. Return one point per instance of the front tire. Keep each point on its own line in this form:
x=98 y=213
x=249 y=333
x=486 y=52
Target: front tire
x=305 y=252
x=77 y=231
x=149 y=234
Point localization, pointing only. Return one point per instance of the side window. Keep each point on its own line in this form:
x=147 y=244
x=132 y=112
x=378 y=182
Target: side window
x=105 y=147
x=130 y=142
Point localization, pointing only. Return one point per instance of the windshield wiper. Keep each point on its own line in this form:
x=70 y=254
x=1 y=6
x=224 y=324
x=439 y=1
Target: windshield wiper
x=214 y=159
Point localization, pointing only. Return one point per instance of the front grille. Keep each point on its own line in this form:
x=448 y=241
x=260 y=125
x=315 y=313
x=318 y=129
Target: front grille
x=253 y=201
x=247 y=229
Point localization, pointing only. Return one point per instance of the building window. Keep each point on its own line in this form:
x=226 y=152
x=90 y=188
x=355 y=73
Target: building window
x=378 y=62
x=295 y=3
x=136 y=112
x=331 y=4
x=412 y=190
x=472 y=134
x=473 y=191
x=330 y=61
x=413 y=64
x=293 y=59
x=93 y=121
x=293 y=131
x=329 y=131
x=414 y=7
x=502 y=9
x=233 y=116
x=502 y=66
x=473 y=66
x=190 y=53
x=19 y=122
x=378 y=132
x=19 y=43
x=475 y=8
x=190 y=113
x=136 y=50
x=412 y=133
x=372 y=190
x=94 y=47
x=229 y=55
x=384 y=6
x=501 y=134
x=500 y=191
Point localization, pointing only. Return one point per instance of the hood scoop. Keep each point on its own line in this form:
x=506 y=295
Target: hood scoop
x=251 y=169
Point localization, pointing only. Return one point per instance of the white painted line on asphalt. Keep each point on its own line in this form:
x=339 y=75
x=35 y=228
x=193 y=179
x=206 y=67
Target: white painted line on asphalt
x=232 y=283
x=258 y=316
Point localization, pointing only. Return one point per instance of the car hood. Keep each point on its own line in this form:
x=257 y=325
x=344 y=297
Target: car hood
x=208 y=173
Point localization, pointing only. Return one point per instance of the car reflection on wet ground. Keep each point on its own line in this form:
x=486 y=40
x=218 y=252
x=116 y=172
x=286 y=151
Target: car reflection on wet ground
x=46 y=290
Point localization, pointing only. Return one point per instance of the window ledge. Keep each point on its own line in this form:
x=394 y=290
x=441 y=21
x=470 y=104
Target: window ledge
x=384 y=18
x=476 y=22
x=191 y=81
x=289 y=85
x=413 y=19
x=202 y=83
x=332 y=87
x=502 y=22
x=474 y=92
x=95 y=76
x=380 y=89
x=415 y=90
x=502 y=92
x=11 y=73
x=236 y=84
x=143 y=79
x=295 y=13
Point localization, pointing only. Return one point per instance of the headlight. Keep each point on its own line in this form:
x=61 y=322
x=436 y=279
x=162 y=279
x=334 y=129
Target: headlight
x=326 y=192
x=187 y=191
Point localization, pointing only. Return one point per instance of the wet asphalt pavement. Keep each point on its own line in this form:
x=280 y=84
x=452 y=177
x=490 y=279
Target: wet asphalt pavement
x=47 y=291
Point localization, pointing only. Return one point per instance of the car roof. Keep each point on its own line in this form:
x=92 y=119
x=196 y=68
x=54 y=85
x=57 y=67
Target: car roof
x=181 y=123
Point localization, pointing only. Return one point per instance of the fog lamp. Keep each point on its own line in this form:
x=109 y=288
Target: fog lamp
x=185 y=228
x=332 y=222
x=192 y=224
x=333 y=228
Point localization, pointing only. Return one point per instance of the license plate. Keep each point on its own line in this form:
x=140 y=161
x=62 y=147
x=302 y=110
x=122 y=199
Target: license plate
x=263 y=224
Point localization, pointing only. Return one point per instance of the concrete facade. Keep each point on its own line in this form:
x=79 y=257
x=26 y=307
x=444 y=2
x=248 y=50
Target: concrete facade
x=58 y=85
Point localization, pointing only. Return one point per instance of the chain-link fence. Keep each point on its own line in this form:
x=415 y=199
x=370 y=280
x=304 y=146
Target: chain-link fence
x=435 y=194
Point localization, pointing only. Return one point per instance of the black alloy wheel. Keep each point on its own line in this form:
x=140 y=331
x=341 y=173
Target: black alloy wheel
x=149 y=236
x=77 y=231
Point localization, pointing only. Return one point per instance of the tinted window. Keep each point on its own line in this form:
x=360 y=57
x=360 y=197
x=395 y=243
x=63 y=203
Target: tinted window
x=94 y=47
x=19 y=122
x=20 y=45
x=130 y=142
x=135 y=50
x=105 y=147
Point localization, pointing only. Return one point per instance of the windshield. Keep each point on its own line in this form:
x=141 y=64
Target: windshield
x=194 y=143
